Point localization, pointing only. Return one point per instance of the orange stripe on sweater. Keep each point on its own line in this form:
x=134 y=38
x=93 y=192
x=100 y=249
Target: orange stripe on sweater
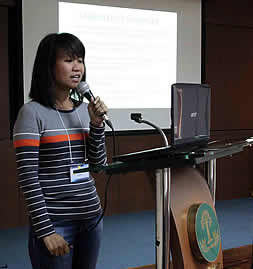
x=61 y=138
x=26 y=142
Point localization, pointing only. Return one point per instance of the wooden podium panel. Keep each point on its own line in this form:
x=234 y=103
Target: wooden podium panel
x=188 y=187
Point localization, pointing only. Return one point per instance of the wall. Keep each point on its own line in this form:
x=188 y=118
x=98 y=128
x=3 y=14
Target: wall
x=130 y=192
x=9 y=196
x=39 y=19
x=228 y=51
x=228 y=62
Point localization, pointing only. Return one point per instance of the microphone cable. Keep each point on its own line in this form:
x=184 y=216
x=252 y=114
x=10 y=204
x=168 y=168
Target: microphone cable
x=105 y=205
x=106 y=186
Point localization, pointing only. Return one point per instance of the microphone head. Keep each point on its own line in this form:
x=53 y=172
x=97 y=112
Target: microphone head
x=84 y=89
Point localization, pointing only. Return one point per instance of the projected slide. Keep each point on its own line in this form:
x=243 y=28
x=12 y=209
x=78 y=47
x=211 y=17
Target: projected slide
x=130 y=53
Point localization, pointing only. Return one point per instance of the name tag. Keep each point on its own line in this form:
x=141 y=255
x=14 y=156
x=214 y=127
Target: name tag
x=77 y=174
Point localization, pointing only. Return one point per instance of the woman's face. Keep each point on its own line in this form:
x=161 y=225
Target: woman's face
x=68 y=71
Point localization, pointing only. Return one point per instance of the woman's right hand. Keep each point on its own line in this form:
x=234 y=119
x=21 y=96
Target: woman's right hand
x=56 y=244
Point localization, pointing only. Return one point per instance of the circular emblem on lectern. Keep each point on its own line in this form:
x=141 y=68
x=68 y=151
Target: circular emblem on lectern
x=204 y=232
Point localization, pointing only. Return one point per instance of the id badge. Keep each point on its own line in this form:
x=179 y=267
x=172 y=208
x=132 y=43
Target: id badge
x=77 y=174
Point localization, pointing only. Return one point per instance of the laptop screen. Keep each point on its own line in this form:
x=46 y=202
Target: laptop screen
x=190 y=113
x=190 y=122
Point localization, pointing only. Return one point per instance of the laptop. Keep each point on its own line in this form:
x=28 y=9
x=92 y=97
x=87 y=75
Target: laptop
x=190 y=123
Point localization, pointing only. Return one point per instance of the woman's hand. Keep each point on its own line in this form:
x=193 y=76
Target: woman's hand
x=56 y=244
x=97 y=109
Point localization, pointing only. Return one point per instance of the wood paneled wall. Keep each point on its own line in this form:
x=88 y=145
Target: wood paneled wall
x=8 y=3
x=8 y=188
x=130 y=192
x=11 y=200
x=228 y=47
x=4 y=72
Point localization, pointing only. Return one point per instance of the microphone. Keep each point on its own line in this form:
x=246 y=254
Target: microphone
x=84 y=89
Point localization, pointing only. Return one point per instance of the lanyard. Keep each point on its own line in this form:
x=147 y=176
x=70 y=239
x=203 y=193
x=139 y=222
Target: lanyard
x=70 y=151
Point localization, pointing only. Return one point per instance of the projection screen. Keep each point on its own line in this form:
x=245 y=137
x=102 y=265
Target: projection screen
x=134 y=51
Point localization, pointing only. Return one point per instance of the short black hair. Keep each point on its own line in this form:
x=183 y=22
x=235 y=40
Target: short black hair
x=43 y=78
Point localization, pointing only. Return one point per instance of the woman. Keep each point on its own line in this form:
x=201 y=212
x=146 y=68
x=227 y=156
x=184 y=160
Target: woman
x=54 y=135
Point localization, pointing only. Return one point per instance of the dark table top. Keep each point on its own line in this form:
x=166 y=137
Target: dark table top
x=212 y=152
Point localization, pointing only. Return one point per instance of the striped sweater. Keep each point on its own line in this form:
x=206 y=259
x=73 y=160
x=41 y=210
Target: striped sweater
x=44 y=140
